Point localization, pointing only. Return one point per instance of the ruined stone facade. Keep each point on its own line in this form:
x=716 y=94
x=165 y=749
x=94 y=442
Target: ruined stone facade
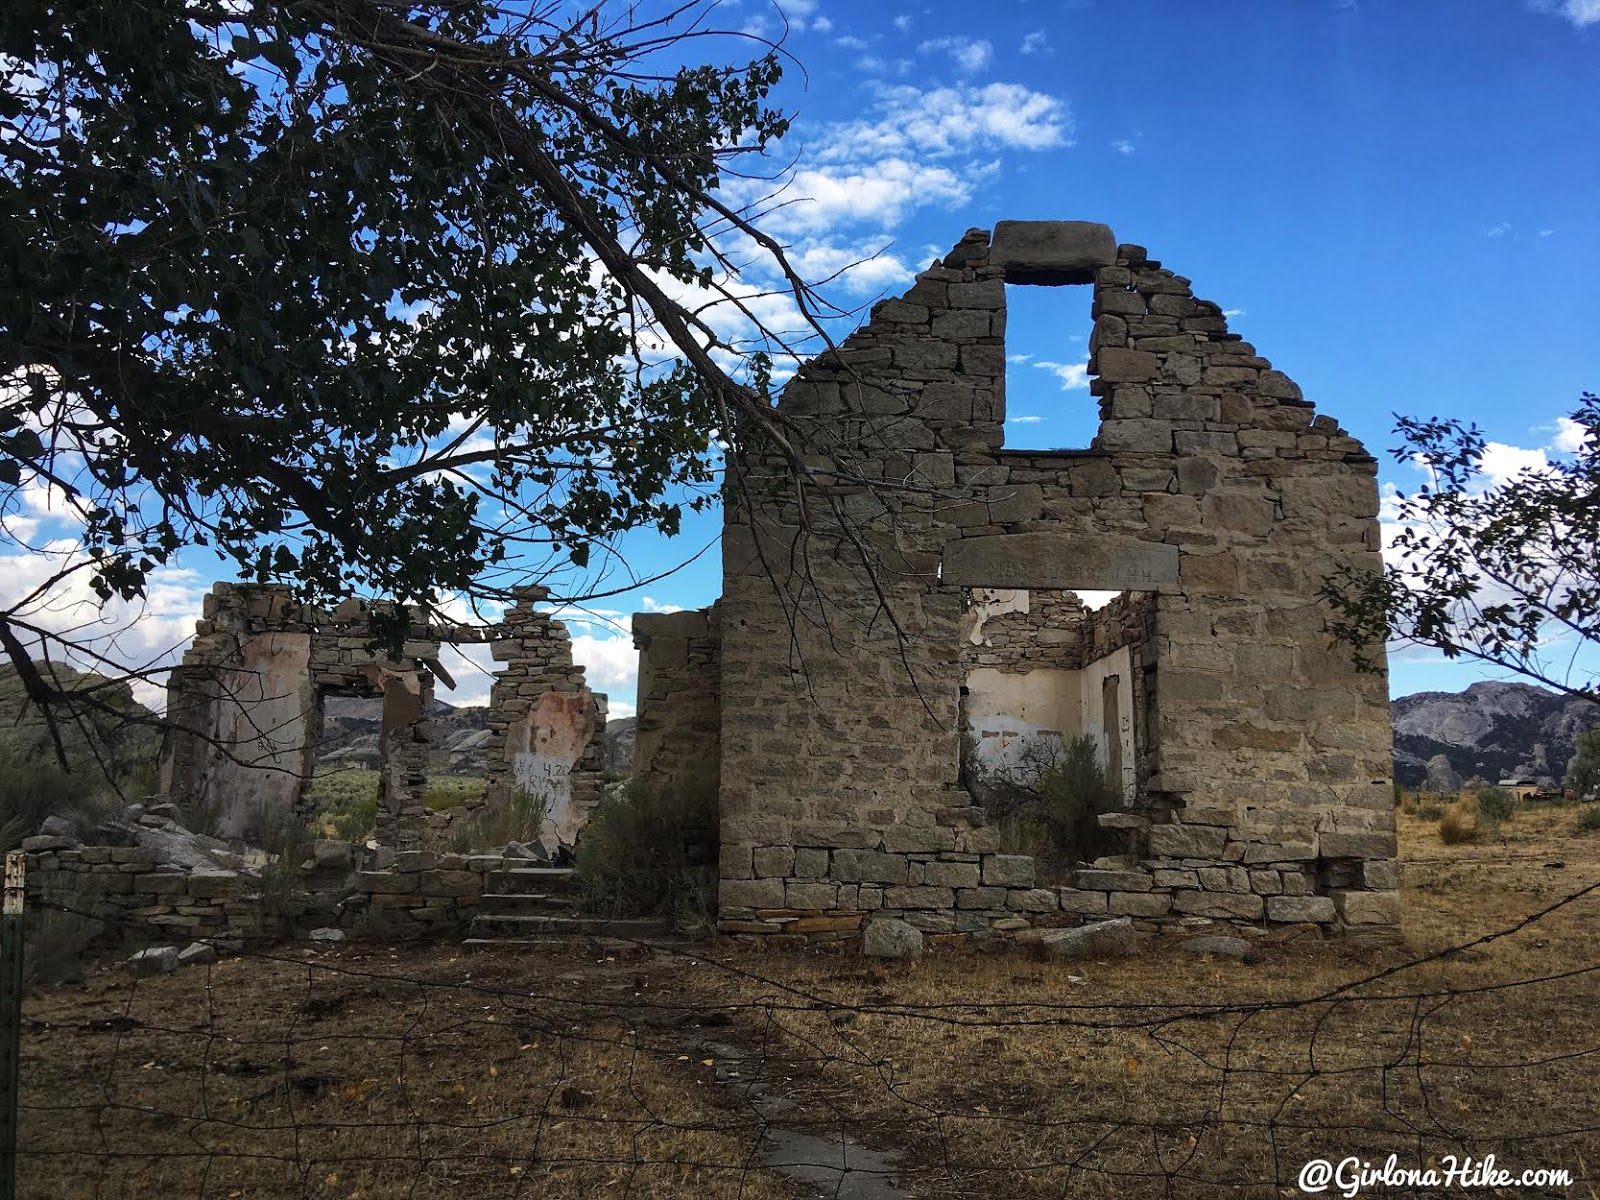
x=245 y=713
x=921 y=563
x=679 y=716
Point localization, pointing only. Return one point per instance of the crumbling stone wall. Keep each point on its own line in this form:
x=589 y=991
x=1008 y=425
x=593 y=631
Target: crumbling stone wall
x=679 y=715
x=1211 y=487
x=245 y=711
x=547 y=729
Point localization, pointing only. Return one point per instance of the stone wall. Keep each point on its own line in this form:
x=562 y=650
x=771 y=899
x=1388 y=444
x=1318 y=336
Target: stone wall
x=1212 y=488
x=679 y=715
x=546 y=728
x=245 y=713
x=419 y=894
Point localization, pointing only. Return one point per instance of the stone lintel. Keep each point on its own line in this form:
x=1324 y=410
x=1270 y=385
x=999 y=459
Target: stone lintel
x=1068 y=562
x=1052 y=252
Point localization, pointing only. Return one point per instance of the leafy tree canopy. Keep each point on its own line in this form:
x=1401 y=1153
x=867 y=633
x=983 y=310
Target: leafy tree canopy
x=369 y=296
x=1506 y=573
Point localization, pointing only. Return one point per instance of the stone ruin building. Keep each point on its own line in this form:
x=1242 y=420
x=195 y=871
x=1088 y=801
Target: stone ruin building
x=246 y=710
x=912 y=600
x=903 y=619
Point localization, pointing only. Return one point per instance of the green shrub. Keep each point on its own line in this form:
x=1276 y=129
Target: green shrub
x=1583 y=774
x=1046 y=805
x=651 y=852
x=1589 y=818
x=1429 y=812
x=452 y=791
x=498 y=823
x=357 y=823
x=1496 y=804
x=32 y=789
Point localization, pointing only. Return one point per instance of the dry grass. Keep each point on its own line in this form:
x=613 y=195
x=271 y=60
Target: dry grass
x=341 y=1076
x=1000 y=1076
x=1016 y=1078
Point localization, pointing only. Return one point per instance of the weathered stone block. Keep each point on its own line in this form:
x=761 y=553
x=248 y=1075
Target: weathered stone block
x=1139 y=904
x=1187 y=841
x=1368 y=908
x=1032 y=900
x=1357 y=845
x=811 y=895
x=810 y=864
x=1102 y=939
x=1008 y=870
x=951 y=874
x=1051 y=252
x=981 y=897
x=1224 y=879
x=1380 y=875
x=1059 y=560
x=886 y=937
x=919 y=897
x=773 y=860
x=868 y=866
x=1245 y=906
x=1300 y=908
x=1117 y=364
x=1112 y=881
x=1071 y=900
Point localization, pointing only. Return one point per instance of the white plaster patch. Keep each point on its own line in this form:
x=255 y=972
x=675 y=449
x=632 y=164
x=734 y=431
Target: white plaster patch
x=992 y=602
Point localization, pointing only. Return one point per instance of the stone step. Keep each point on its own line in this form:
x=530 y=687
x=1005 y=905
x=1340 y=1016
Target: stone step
x=495 y=926
x=523 y=880
x=530 y=902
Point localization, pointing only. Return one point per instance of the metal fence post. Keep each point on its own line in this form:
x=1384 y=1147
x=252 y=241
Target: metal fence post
x=16 y=879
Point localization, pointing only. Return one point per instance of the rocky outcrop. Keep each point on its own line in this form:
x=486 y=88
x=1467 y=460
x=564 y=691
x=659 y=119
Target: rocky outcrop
x=1494 y=730
x=1441 y=777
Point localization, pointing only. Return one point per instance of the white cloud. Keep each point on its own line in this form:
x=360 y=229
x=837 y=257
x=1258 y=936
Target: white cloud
x=849 y=41
x=1233 y=312
x=611 y=665
x=1502 y=463
x=147 y=635
x=953 y=120
x=1035 y=43
x=882 y=193
x=1580 y=12
x=822 y=25
x=1123 y=146
x=1546 y=232
x=1071 y=375
x=1570 y=436
x=1500 y=230
x=903 y=22
x=1025 y=420
x=968 y=54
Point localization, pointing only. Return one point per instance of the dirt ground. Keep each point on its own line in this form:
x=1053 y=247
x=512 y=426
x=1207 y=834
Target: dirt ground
x=363 y=1071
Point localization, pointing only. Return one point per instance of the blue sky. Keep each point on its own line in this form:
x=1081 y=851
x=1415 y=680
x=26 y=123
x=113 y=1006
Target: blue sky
x=1395 y=201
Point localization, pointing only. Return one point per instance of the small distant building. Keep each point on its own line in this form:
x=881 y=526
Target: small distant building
x=1520 y=787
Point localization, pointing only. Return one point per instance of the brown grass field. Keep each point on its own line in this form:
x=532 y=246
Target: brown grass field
x=365 y=1071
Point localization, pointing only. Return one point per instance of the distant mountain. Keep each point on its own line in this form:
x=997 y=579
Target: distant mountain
x=1492 y=730
x=126 y=738
x=351 y=724
x=619 y=744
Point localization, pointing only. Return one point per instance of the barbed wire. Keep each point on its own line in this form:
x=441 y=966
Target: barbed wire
x=681 y=1072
